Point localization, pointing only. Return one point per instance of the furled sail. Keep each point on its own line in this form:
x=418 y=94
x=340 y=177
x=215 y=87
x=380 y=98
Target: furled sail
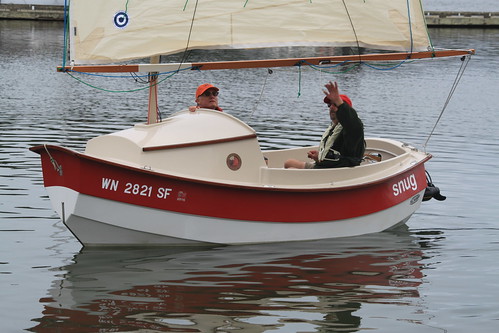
x=109 y=31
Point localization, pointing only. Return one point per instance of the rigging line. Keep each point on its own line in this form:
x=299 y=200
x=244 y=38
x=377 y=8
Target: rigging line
x=185 y=54
x=119 y=91
x=465 y=60
x=410 y=24
x=387 y=66
x=331 y=66
x=138 y=78
x=127 y=76
x=354 y=31
x=324 y=69
x=269 y=71
x=299 y=80
x=158 y=112
x=64 y=49
x=385 y=69
x=426 y=27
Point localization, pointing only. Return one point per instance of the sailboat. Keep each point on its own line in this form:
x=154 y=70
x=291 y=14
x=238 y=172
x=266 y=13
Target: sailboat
x=137 y=187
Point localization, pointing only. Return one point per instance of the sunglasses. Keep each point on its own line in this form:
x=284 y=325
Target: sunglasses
x=210 y=93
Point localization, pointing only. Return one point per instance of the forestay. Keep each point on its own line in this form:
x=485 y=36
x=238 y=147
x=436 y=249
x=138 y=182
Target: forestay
x=118 y=30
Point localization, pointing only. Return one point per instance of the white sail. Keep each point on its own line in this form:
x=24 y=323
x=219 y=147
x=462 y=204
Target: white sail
x=107 y=31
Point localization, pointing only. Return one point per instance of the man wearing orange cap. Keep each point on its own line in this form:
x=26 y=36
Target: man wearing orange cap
x=342 y=145
x=206 y=98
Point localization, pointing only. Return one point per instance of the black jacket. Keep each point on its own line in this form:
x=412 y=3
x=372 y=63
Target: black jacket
x=349 y=143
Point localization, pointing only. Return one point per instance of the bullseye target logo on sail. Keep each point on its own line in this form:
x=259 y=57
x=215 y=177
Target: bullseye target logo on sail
x=121 y=19
x=408 y=183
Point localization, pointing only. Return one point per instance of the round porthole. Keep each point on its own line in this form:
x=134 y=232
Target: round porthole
x=234 y=161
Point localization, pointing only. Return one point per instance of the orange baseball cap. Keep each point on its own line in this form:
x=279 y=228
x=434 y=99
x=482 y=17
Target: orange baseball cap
x=345 y=99
x=202 y=88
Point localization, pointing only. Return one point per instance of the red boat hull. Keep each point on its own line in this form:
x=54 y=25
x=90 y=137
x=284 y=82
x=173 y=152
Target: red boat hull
x=111 y=181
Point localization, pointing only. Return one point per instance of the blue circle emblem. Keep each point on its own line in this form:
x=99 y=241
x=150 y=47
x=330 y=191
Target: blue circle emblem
x=121 y=20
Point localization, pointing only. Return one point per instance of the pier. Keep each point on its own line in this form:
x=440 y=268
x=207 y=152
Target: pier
x=433 y=18
x=32 y=12
x=462 y=19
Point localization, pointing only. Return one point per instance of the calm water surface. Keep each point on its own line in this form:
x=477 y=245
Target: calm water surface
x=439 y=274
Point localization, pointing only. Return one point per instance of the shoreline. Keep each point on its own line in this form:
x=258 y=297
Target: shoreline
x=31 y=12
x=464 y=19
x=440 y=19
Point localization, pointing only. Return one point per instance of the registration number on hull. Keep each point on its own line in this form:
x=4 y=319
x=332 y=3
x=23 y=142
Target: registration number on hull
x=136 y=189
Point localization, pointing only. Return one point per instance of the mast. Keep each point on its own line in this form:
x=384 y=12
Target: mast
x=152 y=113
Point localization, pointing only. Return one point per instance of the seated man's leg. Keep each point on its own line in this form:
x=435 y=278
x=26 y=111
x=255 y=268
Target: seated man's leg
x=294 y=164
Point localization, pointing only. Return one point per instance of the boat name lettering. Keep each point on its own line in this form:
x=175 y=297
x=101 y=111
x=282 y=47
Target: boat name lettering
x=404 y=185
x=136 y=189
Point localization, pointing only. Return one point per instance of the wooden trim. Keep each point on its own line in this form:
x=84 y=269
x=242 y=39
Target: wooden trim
x=201 y=143
x=400 y=56
x=267 y=63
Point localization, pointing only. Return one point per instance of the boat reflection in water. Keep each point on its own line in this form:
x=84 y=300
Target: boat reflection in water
x=303 y=286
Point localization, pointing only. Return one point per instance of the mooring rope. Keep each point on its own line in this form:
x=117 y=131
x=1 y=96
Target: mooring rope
x=56 y=165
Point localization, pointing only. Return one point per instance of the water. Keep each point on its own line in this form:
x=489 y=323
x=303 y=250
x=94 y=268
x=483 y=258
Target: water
x=436 y=275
